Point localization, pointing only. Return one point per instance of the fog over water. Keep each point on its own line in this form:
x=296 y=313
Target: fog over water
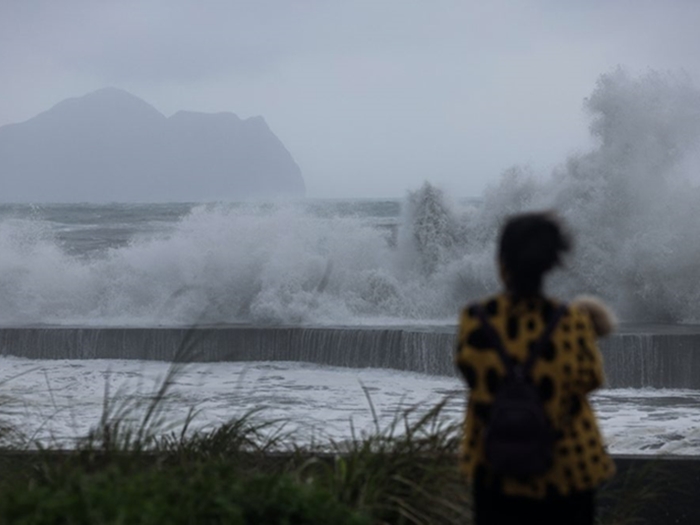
x=632 y=202
x=370 y=98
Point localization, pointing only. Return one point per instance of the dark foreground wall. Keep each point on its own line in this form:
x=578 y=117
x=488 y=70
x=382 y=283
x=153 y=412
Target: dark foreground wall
x=653 y=491
x=636 y=357
x=645 y=491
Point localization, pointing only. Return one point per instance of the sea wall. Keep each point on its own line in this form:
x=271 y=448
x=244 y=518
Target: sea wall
x=426 y=351
x=665 y=358
x=655 y=360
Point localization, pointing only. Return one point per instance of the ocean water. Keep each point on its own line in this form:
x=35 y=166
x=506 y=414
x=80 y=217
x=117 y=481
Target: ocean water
x=183 y=264
x=336 y=263
x=632 y=203
x=56 y=402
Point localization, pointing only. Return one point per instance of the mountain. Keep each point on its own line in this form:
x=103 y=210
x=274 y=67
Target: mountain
x=110 y=146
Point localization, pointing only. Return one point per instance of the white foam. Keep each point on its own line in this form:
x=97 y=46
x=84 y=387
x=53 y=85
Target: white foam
x=57 y=401
x=630 y=201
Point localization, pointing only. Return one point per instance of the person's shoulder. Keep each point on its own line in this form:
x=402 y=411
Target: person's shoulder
x=493 y=305
x=569 y=315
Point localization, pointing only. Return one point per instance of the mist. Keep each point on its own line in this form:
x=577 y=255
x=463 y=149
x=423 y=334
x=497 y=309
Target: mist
x=370 y=99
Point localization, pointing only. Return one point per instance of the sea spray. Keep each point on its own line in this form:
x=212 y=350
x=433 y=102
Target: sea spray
x=631 y=202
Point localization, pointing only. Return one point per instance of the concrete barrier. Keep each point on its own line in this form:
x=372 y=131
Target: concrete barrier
x=638 y=356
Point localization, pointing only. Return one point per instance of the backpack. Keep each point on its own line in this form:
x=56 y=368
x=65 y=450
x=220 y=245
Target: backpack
x=519 y=438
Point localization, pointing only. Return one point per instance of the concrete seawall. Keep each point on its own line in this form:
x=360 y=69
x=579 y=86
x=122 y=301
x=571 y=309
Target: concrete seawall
x=658 y=360
x=641 y=356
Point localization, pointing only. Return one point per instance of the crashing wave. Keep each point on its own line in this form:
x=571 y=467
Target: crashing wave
x=631 y=201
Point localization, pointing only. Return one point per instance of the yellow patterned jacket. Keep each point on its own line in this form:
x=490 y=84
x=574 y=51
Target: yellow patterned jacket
x=569 y=367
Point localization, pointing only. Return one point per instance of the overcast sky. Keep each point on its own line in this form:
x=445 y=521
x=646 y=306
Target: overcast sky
x=371 y=97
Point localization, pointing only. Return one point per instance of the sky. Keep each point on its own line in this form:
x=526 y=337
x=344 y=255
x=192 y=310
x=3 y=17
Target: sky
x=371 y=97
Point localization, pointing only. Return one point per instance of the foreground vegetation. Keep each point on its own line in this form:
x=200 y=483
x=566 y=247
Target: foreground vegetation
x=135 y=468
x=241 y=472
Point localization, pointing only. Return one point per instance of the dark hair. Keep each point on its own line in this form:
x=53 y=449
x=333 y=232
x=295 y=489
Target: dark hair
x=530 y=245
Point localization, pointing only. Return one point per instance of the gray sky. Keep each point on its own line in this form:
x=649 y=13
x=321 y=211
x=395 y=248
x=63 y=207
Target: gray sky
x=371 y=97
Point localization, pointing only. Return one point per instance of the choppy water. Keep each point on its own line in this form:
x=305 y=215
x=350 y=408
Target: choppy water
x=632 y=202
x=58 y=401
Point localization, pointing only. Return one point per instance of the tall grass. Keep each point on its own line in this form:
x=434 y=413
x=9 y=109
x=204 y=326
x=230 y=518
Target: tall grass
x=138 y=466
x=405 y=473
x=11 y=437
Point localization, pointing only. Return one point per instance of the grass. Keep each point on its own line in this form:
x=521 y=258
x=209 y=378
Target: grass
x=237 y=473
x=138 y=467
x=404 y=474
x=202 y=492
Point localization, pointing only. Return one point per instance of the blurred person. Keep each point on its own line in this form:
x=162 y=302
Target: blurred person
x=550 y=348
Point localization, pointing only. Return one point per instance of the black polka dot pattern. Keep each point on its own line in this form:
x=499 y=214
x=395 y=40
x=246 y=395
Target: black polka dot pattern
x=493 y=380
x=548 y=351
x=470 y=375
x=512 y=328
x=479 y=339
x=568 y=367
x=491 y=308
x=546 y=388
x=574 y=406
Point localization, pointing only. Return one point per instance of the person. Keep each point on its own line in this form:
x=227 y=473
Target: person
x=568 y=366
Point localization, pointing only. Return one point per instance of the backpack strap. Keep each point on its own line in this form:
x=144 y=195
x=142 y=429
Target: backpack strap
x=510 y=364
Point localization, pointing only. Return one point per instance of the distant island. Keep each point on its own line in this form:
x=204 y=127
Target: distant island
x=111 y=146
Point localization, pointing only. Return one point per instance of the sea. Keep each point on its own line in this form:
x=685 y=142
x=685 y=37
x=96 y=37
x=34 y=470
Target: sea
x=359 y=264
